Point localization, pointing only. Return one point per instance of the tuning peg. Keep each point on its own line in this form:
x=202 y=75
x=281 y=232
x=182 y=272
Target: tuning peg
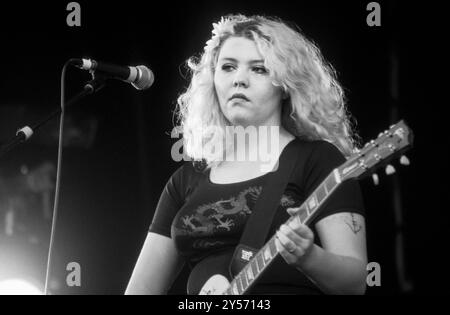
x=376 y=179
x=390 y=170
x=404 y=160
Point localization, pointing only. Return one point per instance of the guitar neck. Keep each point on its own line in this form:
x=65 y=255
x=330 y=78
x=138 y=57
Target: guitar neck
x=374 y=154
x=264 y=257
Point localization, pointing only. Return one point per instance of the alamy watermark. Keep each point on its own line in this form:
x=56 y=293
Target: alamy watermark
x=251 y=144
x=74 y=17
x=73 y=278
x=374 y=17
x=373 y=278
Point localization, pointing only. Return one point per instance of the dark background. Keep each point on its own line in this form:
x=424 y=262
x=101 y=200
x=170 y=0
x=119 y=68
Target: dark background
x=117 y=153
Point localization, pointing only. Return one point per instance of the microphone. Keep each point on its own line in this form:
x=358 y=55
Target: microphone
x=140 y=77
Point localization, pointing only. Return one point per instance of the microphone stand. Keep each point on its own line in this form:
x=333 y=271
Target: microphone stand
x=22 y=135
x=25 y=133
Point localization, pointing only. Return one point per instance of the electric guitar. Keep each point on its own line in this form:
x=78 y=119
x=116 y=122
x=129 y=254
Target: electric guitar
x=375 y=154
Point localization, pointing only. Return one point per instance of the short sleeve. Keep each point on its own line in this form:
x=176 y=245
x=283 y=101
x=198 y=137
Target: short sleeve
x=347 y=197
x=170 y=201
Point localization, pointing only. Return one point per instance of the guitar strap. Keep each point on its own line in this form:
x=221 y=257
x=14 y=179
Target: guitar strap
x=259 y=222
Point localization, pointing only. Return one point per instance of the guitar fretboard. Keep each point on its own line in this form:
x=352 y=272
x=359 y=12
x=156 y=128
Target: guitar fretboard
x=262 y=259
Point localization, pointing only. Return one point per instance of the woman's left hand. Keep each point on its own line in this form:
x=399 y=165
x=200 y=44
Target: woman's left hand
x=294 y=241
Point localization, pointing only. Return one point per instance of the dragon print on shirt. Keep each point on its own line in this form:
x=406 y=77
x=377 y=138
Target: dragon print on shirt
x=220 y=215
x=223 y=215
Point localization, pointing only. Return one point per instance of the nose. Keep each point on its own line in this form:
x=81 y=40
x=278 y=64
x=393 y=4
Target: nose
x=240 y=79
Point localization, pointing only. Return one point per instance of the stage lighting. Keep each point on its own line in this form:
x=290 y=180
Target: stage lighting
x=18 y=287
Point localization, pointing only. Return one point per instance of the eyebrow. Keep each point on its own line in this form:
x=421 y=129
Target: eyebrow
x=236 y=61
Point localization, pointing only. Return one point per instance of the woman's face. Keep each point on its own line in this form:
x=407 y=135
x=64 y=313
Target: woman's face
x=243 y=86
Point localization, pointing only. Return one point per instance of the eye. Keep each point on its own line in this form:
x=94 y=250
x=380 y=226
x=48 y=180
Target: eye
x=260 y=70
x=227 y=67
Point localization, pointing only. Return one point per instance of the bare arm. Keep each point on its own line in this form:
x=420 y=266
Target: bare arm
x=339 y=266
x=157 y=267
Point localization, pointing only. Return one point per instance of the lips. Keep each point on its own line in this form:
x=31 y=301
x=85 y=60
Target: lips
x=239 y=96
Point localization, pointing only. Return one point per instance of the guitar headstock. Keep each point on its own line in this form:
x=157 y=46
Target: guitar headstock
x=377 y=153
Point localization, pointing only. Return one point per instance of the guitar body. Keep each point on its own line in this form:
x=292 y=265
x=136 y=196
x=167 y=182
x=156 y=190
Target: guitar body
x=216 y=285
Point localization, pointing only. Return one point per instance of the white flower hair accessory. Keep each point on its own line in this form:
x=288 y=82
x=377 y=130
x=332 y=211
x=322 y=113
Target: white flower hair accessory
x=219 y=28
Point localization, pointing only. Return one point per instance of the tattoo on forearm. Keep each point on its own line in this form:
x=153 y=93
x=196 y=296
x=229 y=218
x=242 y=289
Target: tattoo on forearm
x=354 y=226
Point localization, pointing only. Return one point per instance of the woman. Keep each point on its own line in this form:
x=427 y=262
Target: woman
x=258 y=72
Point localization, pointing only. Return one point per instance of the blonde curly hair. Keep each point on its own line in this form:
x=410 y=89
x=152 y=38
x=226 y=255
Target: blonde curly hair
x=315 y=108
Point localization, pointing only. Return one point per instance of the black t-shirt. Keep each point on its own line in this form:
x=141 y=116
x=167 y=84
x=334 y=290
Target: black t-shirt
x=206 y=219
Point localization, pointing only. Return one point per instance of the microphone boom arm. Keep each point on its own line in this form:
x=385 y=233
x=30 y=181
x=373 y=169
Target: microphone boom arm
x=25 y=133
